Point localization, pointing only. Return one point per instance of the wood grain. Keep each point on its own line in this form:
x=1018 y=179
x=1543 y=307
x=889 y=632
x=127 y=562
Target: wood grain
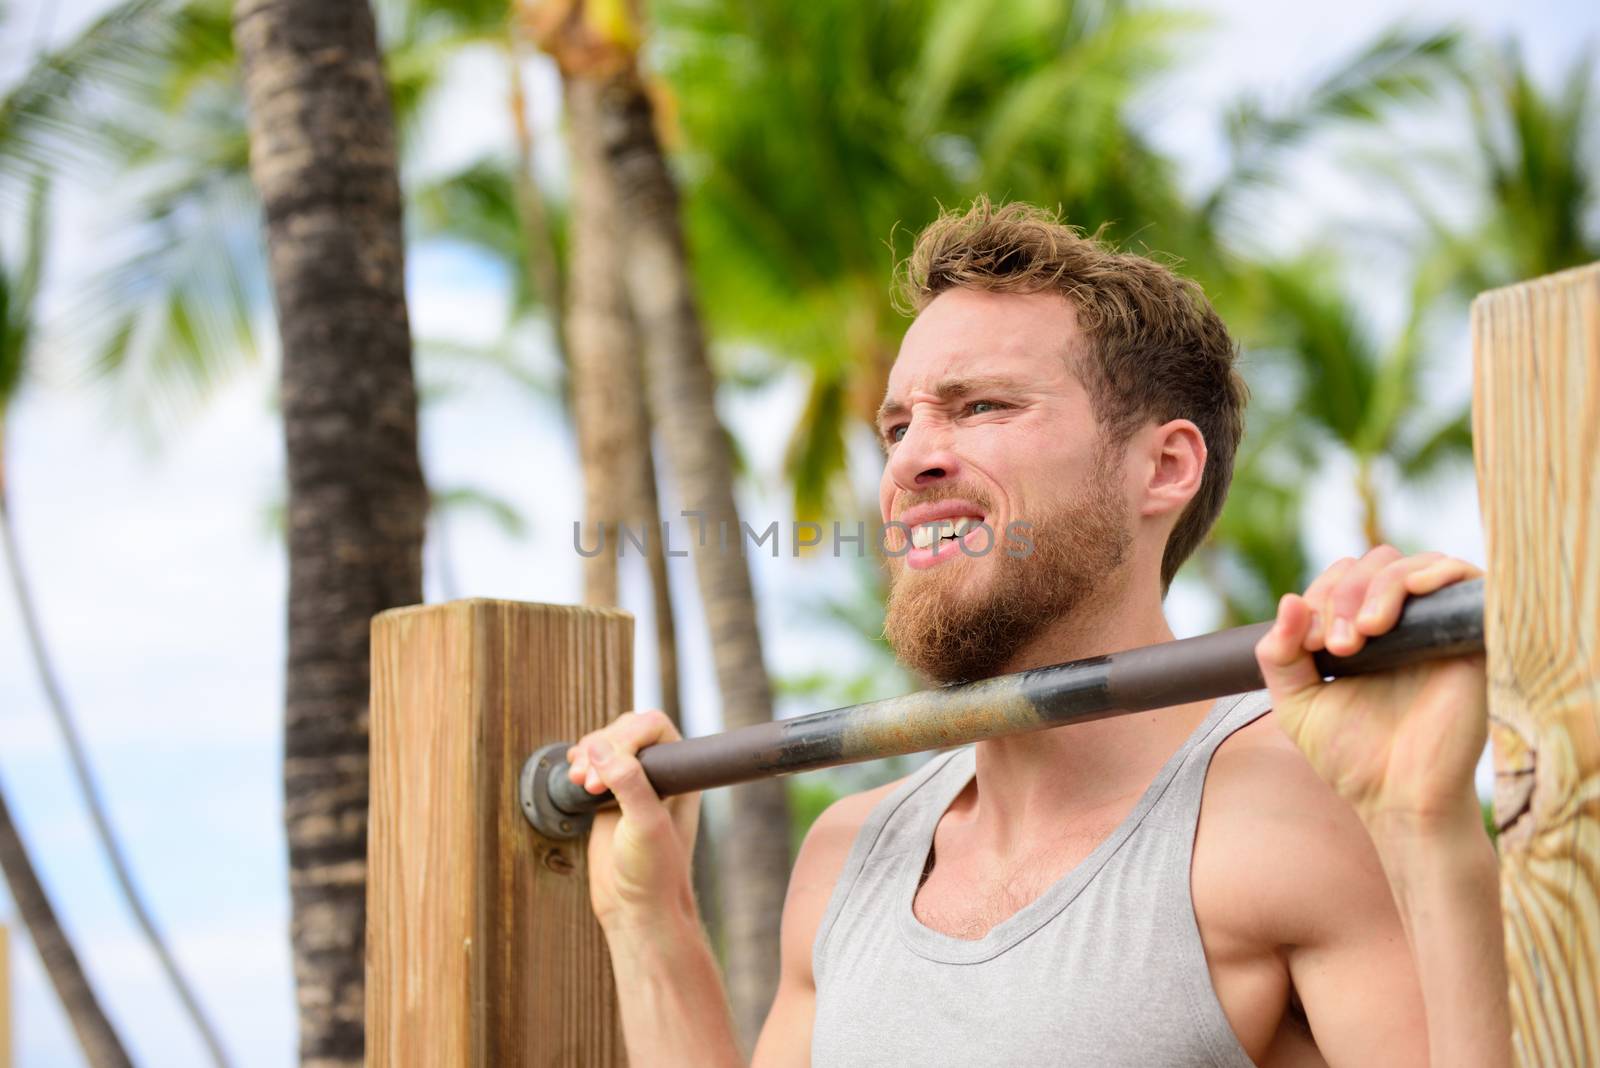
x=481 y=947
x=1536 y=420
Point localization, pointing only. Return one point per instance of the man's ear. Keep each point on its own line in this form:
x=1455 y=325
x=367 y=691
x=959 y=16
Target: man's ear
x=1176 y=462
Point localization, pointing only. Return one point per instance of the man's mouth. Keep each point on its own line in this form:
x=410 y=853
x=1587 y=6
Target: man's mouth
x=934 y=542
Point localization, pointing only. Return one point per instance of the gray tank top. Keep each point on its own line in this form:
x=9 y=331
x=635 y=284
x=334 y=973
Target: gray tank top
x=1105 y=968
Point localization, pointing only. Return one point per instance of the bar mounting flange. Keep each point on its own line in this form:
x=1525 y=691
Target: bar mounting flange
x=533 y=793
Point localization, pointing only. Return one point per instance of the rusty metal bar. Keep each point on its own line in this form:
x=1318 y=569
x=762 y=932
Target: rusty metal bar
x=1442 y=624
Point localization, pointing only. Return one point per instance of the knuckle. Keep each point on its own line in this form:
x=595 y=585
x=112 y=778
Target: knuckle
x=653 y=725
x=1351 y=585
x=1393 y=573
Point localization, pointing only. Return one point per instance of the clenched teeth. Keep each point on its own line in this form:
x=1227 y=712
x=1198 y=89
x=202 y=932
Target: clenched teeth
x=923 y=536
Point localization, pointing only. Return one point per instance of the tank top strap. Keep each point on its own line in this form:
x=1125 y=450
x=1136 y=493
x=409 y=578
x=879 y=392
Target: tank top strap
x=887 y=833
x=1179 y=805
x=1189 y=780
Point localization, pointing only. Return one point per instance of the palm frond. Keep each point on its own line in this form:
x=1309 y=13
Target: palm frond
x=1397 y=68
x=39 y=127
x=19 y=294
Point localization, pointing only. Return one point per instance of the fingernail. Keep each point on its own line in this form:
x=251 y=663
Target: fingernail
x=1342 y=631
x=1368 y=612
x=600 y=751
x=1316 y=627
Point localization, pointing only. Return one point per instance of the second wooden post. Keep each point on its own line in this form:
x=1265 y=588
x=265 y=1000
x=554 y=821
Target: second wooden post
x=481 y=947
x=1536 y=424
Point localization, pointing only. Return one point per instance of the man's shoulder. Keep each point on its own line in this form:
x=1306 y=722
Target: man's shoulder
x=827 y=844
x=1258 y=774
x=1276 y=847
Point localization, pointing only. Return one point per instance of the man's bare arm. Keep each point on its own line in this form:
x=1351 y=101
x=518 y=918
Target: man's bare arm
x=1446 y=880
x=674 y=1010
x=1283 y=865
x=1400 y=747
x=673 y=1005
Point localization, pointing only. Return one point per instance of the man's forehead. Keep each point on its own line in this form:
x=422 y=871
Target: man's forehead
x=972 y=370
x=966 y=333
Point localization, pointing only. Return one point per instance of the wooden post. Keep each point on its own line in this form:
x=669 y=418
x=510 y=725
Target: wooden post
x=1536 y=421
x=482 y=951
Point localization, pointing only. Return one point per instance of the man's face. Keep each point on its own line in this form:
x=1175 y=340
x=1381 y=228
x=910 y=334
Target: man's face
x=985 y=421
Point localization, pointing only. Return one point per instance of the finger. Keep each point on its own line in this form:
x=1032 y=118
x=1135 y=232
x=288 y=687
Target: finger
x=578 y=758
x=622 y=774
x=631 y=732
x=1316 y=597
x=628 y=733
x=1441 y=574
x=1344 y=600
x=644 y=727
x=1386 y=593
x=1286 y=666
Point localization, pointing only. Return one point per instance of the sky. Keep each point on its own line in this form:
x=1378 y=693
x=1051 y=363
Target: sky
x=161 y=585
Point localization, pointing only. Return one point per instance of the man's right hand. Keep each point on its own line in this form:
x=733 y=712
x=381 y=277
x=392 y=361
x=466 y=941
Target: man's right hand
x=639 y=852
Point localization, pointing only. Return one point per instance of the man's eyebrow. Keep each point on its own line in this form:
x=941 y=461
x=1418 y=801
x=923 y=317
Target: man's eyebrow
x=950 y=388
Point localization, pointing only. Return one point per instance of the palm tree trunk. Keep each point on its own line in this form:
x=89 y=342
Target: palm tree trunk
x=660 y=588
x=322 y=155
x=682 y=393
x=78 y=758
x=613 y=419
x=101 y=1046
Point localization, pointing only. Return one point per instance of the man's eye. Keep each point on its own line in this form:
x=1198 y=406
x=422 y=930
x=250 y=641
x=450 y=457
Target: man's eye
x=895 y=433
x=979 y=407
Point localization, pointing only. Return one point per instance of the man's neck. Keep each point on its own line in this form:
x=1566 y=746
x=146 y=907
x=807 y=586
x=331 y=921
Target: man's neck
x=1030 y=785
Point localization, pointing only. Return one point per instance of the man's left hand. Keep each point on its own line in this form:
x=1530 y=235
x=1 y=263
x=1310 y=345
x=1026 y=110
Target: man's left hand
x=1402 y=745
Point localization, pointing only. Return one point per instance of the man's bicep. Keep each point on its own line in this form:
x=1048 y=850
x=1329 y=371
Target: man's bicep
x=1350 y=963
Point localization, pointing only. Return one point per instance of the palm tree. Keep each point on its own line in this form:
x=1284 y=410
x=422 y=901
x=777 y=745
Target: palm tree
x=1354 y=391
x=496 y=205
x=323 y=158
x=101 y=1045
x=176 y=314
x=19 y=288
x=1530 y=170
x=608 y=404
x=597 y=53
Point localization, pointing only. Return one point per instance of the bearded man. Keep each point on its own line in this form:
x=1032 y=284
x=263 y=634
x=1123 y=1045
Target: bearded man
x=1180 y=887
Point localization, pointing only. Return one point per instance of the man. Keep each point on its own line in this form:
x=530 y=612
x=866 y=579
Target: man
x=1178 y=887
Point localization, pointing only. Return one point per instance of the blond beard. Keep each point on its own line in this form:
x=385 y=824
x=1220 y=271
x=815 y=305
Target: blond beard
x=950 y=634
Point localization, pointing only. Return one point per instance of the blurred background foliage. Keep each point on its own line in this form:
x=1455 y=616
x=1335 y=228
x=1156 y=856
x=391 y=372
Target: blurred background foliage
x=811 y=141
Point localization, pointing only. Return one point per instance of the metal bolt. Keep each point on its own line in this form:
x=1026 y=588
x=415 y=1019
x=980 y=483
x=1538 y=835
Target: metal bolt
x=544 y=762
x=566 y=826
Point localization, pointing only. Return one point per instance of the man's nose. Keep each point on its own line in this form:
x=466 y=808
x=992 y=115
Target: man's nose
x=925 y=454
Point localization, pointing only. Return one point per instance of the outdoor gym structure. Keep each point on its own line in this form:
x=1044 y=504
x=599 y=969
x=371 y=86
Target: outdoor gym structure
x=481 y=947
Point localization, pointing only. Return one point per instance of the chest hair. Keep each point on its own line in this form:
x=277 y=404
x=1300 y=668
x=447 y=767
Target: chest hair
x=957 y=901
